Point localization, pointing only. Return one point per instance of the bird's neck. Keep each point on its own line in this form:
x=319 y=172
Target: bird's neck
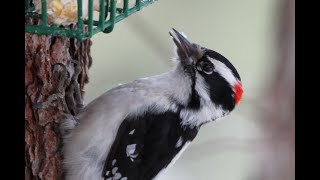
x=173 y=84
x=191 y=91
x=189 y=98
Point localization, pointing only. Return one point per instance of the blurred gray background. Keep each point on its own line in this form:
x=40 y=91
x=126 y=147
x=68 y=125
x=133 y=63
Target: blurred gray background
x=256 y=141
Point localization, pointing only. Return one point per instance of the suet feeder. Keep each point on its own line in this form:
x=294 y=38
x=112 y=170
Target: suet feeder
x=86 y=23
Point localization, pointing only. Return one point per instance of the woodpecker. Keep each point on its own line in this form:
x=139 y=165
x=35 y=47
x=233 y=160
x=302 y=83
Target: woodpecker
x=137 y=130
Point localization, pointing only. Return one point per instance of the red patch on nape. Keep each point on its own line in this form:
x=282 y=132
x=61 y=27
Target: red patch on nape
x=238 y=92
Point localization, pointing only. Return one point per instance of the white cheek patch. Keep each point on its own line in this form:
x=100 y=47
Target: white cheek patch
x=224 y=71
x=202 y=88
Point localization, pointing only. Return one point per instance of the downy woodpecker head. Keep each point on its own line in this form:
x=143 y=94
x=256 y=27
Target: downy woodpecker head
x=214 y=79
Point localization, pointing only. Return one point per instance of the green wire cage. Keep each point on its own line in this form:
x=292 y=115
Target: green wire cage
x=108 y=15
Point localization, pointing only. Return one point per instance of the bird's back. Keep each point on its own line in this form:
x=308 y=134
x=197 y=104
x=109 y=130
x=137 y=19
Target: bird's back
x=86 y=151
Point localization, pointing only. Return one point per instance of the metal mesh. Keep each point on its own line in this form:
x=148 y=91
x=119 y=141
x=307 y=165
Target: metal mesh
x=82 y=27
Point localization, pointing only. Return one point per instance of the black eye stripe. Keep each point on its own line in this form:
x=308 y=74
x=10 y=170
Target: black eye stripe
x=214 y=55
x=205 y=65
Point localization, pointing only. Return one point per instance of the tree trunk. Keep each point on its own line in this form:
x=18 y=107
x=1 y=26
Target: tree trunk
x=56 y=70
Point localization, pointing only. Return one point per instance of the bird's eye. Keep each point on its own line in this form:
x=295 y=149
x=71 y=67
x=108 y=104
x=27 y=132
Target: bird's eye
x=207 y=67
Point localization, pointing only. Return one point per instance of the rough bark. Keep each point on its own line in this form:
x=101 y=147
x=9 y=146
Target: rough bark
x=56 y=71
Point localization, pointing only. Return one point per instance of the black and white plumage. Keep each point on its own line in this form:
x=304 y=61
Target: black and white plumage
x=137 y=130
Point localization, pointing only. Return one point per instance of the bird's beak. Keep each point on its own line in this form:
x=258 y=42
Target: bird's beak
x=182 y=43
